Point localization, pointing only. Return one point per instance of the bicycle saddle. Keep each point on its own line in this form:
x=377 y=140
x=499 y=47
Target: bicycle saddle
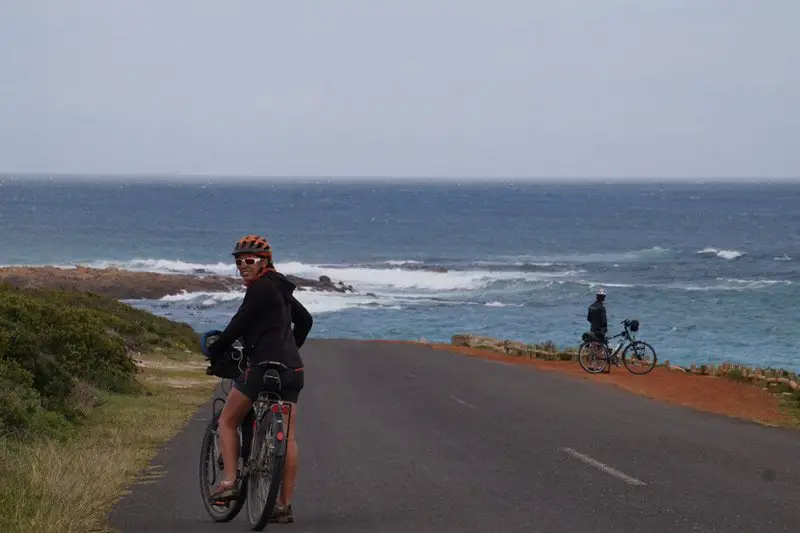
x=272 y=365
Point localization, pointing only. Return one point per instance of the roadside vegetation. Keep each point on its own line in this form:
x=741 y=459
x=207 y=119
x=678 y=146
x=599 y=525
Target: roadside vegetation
x=90 y=387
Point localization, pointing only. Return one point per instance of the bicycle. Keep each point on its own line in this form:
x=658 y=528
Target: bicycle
x=633 y=351
x=262 y=446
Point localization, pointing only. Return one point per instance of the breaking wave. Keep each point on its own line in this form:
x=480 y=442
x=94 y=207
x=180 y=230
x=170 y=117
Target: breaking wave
x=722 y=254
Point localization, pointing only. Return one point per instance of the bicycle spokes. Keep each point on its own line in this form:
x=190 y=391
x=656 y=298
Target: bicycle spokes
x=211 y=472
x=593 y=357
x=265 y=471
x=639 y=355
x=639 y=358
x=597 y=357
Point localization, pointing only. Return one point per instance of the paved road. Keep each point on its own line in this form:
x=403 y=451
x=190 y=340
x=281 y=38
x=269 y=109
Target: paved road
x=399 y=438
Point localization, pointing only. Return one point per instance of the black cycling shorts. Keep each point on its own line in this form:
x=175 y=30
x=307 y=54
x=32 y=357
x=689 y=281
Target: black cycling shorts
x=251 y=383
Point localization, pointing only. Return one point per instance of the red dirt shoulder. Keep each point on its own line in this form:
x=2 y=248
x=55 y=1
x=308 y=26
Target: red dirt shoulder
x=704 y=393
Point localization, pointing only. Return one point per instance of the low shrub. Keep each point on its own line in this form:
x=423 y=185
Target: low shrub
x=56 y=342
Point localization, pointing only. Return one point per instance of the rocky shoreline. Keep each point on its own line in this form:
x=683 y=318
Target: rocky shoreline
x=129 y=285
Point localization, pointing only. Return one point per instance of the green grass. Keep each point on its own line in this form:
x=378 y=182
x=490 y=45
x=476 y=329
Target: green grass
x=69 y=485
x=792 y=408
x=78 y=418
x=789 y=402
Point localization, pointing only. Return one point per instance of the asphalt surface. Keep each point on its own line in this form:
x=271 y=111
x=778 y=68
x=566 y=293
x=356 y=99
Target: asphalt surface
x=399 y=438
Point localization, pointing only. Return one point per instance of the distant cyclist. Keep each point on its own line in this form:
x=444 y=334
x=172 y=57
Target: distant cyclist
x=264 y=322
x=597 y=316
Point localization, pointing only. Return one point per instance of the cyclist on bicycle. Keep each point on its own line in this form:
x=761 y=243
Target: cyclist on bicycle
x=264 y=322
x=597 y=316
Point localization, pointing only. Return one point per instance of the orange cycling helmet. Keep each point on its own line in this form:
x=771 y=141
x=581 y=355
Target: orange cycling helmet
x=253 y=244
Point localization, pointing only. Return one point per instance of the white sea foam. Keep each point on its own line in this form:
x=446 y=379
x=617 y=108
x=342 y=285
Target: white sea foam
x=501 y=304
x=722 y=254
x=398 y=262
x=211 y=297
x=329 y=302
x=719 y=284
x=363 y=278
x=168 y=266
x=392 y=279
x=735 y=284
x=589 y=257
x=314 y=301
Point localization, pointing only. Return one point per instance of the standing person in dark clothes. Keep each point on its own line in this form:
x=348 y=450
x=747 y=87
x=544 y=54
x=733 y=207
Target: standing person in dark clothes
x=597 y=316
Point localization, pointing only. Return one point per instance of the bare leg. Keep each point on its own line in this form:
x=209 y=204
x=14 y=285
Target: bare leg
x=290 y=465
x=236 y=408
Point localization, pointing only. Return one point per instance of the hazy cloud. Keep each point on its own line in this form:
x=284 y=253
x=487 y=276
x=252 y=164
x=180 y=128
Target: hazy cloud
x=508 y=88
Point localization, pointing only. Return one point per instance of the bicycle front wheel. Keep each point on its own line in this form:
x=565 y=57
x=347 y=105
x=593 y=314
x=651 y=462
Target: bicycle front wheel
x=639 y=358
x=593 y=357
x=265 y=471
x=211 y=470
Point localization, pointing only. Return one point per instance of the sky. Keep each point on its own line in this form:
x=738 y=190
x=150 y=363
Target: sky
x=415 y=88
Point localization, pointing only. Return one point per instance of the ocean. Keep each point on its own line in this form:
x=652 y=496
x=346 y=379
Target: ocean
x=712 y=271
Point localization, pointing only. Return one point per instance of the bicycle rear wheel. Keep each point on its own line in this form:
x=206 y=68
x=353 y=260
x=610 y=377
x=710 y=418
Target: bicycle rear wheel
x=639 y=358
x=265 y=469
x=593 y=357
x=211 y=470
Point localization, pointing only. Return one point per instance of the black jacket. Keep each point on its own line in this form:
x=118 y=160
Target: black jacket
x=597 y=317
x=264 y=322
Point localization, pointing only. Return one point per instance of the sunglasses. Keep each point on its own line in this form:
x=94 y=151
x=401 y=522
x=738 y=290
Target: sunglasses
x=248 y=261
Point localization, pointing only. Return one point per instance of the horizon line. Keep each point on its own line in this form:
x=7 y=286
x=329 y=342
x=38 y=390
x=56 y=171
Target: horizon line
x=163 y=177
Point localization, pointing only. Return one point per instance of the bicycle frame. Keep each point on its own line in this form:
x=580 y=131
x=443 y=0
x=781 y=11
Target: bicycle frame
x=624 y=341
x=270 y=402
x=628 y=338
x=267 y=454
x=266 y=401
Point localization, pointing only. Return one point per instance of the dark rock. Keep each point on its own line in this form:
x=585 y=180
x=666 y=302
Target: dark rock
x=323 y=284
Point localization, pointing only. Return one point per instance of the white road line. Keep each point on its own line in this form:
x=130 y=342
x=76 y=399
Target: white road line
x=409 y=374
x=604 y=467
x=462 y=402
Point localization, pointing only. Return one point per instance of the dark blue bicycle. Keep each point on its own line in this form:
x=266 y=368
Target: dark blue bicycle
x=595 y=356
